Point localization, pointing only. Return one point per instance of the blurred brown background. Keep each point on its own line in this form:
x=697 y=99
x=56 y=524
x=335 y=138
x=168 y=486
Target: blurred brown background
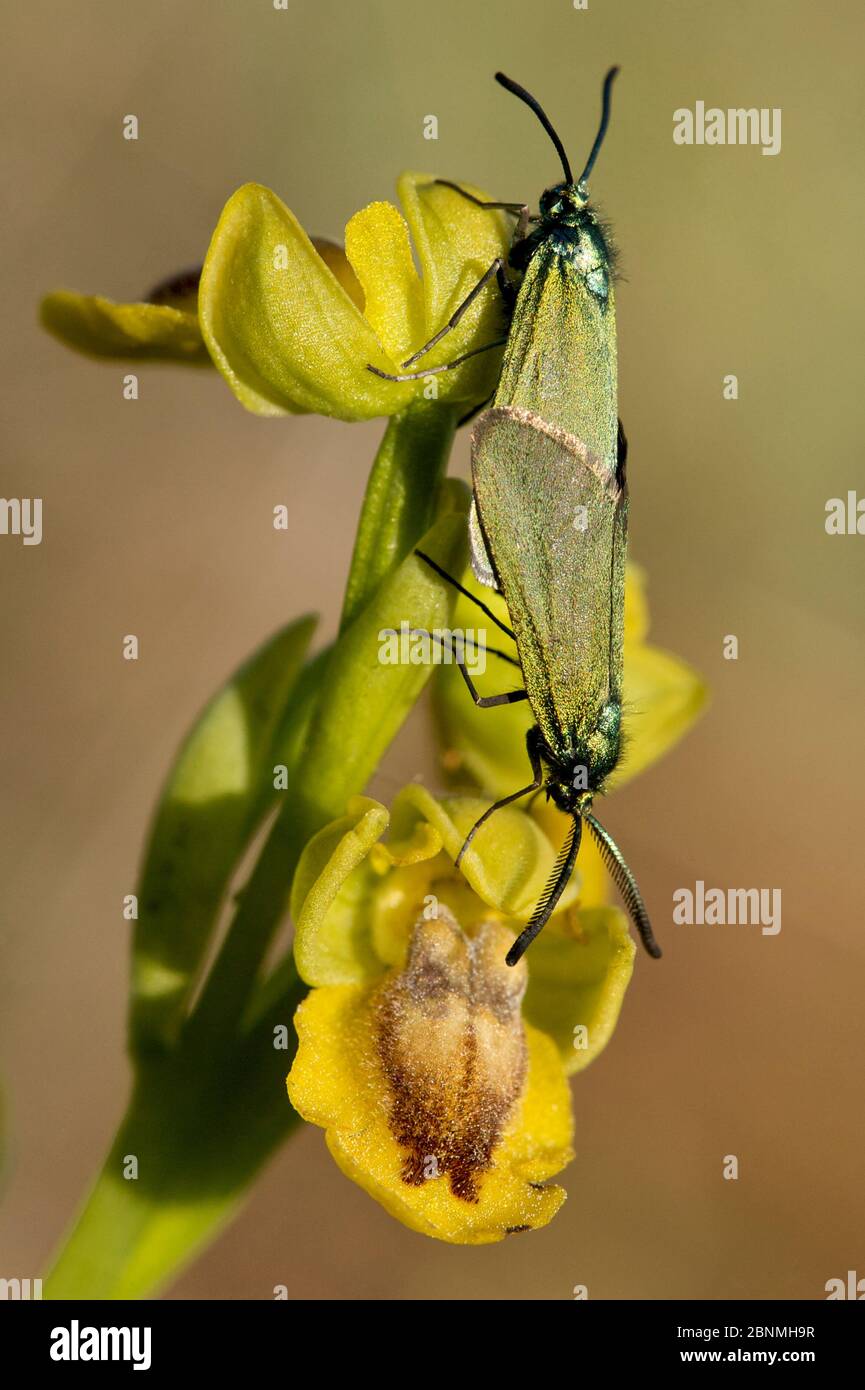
x=158 y=521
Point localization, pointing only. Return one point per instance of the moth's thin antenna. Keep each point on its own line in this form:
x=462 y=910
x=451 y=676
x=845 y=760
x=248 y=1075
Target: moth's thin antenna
x=625 y=882
x=602 y=128
x=562 y=870
x=518 y=91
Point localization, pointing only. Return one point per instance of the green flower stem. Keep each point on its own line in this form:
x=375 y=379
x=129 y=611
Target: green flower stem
x=400 y=500
x=208 y=1105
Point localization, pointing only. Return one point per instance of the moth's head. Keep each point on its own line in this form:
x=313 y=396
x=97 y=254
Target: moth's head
x=564 y=201
x=570 y=799
x=570 y=197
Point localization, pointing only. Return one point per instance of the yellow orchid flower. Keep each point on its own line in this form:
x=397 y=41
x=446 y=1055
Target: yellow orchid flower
x=437 y=1072
x=294 y=323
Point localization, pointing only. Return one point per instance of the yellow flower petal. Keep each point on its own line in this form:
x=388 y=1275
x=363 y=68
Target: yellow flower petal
x=636 y=604
x=339 y=265
x=456 y=243
x=293 y=325
x=377 y=245
x=332 y=942
x=580 y=968
x=663 y=698
x=399 y=894
x=280 y=327
x=355 y=898
x=136 y=332
x=509 y=860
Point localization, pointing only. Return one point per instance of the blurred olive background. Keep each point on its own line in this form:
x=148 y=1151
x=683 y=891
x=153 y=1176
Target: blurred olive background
x=157 y=521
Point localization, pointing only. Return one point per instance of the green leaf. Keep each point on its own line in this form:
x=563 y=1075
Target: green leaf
x=135 y=332
x=217 y=791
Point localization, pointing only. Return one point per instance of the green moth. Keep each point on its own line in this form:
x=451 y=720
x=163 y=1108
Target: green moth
x=549 y=517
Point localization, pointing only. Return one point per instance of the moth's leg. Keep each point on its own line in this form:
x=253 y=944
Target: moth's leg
x=434 y=371
x=477 y=646
x=481 y=701
x=508 y=697
x=481 y=202
x=521 y=209
x=537 y=775
x=497 y=269
x=443 y=574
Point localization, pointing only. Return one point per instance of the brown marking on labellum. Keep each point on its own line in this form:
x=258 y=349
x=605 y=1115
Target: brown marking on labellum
x=452 y=1045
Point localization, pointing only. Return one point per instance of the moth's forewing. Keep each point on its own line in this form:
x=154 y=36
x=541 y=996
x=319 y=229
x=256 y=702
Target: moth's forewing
x=560 y=359
x=555 y=523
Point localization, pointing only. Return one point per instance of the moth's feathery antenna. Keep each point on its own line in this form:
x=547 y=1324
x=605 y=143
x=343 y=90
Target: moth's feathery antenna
x=562 y=870
x=625 y=882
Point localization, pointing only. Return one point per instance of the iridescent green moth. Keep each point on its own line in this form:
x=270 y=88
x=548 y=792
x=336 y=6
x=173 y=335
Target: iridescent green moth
x=549 y=518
